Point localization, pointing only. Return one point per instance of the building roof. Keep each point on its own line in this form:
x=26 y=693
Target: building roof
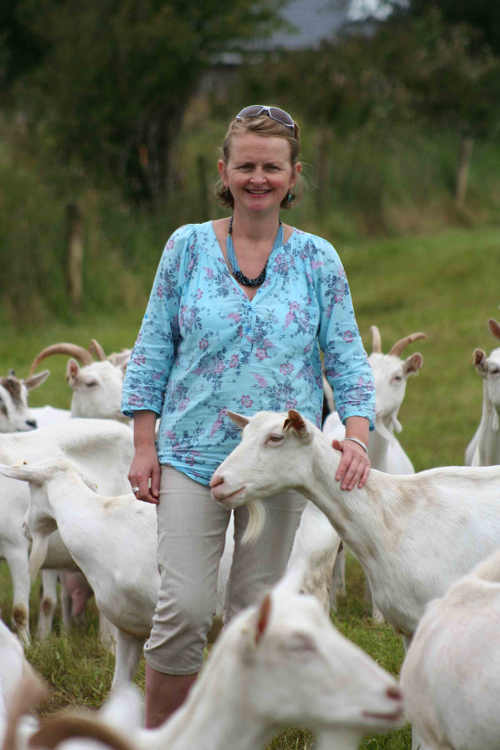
x=314 y=20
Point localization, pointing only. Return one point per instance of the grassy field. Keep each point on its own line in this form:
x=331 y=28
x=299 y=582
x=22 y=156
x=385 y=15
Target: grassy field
x=446 y=285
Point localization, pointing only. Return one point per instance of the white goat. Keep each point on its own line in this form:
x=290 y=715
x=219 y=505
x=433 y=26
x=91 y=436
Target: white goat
x=113 y=541
x=102 y=449
x=484 y=448
x=21 y=690
x=277 y=664
x=15 y=415
x=390 y=374
x=451 y=673
x=413 y=534
x=96 y=385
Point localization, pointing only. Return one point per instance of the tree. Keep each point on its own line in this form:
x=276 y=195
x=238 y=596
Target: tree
x=118 y=74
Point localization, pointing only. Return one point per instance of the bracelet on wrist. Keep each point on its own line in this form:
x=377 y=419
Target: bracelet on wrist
x=359 y=442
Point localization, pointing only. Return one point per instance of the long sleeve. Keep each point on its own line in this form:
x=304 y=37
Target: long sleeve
x=345 y=360
x=154 y=350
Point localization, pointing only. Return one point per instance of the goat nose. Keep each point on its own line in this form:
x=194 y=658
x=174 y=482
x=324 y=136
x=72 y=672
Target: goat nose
x=32 y=423
x=394 y=693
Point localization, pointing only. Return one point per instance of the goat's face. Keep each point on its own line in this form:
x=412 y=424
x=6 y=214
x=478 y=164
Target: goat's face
x=391 y=374
x=271 y=457
x=15 y=415
x=489 y=369
x=297 y=668
x=97 y=389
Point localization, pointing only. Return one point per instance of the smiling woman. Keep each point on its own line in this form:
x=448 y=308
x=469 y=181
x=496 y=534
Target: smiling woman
x=240 y=311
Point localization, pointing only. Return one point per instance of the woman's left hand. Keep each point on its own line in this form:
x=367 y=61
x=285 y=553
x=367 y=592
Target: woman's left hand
x=354 y=465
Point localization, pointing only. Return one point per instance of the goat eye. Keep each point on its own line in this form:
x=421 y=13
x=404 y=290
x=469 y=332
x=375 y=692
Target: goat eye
x=301 y=642
x=397 y=379
x=91 y=384
x=275 y=438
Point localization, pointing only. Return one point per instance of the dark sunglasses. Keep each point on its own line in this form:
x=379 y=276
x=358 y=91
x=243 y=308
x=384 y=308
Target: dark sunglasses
x=275 y=113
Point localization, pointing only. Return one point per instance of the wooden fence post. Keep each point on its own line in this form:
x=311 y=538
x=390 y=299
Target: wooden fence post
x=74 y=257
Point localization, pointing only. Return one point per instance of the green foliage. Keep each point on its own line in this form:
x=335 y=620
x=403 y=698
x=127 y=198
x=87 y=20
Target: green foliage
x=116 y=77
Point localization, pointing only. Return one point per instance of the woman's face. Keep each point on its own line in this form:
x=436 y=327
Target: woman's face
x=259 y=172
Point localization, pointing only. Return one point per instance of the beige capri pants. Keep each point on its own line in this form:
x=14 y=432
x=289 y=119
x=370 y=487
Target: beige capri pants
x=191 y=532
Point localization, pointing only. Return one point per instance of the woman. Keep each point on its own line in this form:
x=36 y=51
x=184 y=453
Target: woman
x=239 y=311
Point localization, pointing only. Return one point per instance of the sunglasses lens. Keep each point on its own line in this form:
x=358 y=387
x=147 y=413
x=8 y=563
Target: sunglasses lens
x=281 y=116
x=253 y=111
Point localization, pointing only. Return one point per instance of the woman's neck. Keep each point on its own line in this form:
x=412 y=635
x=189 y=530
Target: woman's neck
x=254 y=226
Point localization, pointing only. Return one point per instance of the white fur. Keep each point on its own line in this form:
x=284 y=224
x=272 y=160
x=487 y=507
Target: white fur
x=451 y=673
x=275 y=665
x=413 y=534
x=113 y=541
x=102 y=449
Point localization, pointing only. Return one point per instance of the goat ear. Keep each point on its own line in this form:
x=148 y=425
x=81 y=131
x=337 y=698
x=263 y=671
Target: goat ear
x=72 y=369
x=479 y=361
x=296 y=422
x=413 y=364
x=494 y=327
x=263 y=616
x=238 y=419
x=35 y=380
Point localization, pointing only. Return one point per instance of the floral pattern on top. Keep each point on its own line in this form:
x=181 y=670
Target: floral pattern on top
x=204 y=347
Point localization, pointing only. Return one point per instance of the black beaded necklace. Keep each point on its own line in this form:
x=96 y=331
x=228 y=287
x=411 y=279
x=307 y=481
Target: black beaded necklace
x=235 y=269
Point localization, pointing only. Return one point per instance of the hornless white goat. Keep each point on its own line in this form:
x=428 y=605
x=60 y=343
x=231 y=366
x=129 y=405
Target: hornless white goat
x=100 y=448
x=277 y=664
x=413 y=534
x=484 y=448
x=113 y=541
x=21 y=690
x=96 y=385
x=451 y=674
x=15 y=415
x=386 y=453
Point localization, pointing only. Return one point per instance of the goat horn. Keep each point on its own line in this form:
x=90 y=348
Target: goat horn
x=402 y=343
x=376 y=340
x=96 y=349
x=59 y=727
x=83 y=356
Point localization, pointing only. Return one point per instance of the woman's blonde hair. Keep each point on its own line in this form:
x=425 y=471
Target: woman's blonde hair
x=267 y=127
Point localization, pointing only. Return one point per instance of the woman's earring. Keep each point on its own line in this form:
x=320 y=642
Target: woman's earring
x=290 y=196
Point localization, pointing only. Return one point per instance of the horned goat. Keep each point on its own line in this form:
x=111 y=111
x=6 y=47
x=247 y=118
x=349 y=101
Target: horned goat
x=484 y=448
x=386 y=453
x=96 y=385
x=451 y=673
x=413 y=534
x=277 y=664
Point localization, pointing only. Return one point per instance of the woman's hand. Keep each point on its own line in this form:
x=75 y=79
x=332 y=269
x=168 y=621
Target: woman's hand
x=145 y=472
x=354 y=465
x=144 y=475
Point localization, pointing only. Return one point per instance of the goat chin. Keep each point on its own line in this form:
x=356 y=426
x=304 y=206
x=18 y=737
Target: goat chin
x=256 y=521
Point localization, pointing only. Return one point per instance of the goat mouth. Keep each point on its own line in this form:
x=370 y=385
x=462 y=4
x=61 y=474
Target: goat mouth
x=226 y=499
x=392 y=716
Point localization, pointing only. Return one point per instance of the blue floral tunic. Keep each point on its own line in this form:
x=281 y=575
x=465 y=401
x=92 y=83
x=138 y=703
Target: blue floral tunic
x=204 y=347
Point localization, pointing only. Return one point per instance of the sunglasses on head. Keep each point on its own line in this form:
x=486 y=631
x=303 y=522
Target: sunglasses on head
x=275 y=113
